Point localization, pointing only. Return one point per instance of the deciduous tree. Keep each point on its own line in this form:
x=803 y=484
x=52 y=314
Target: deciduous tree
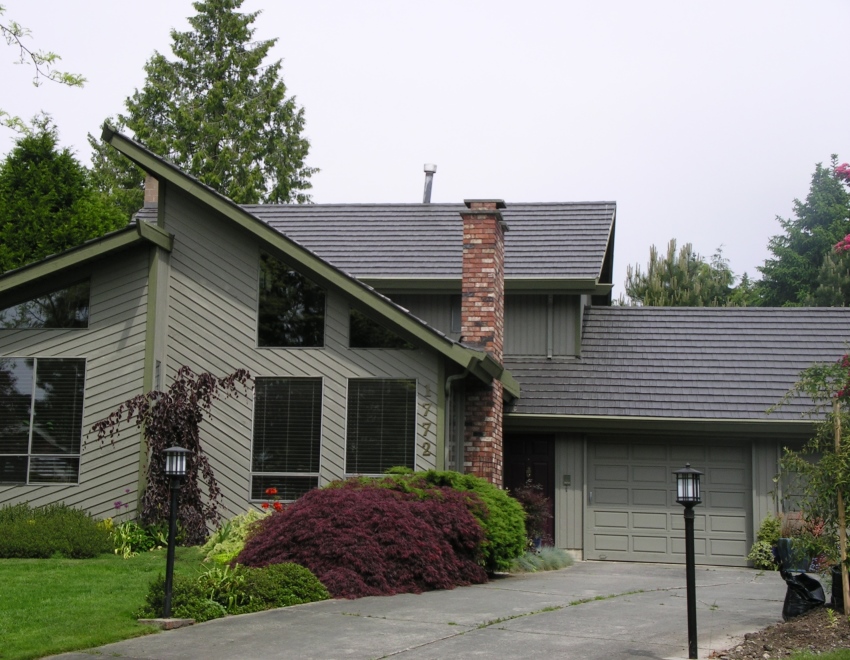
x=219 y=112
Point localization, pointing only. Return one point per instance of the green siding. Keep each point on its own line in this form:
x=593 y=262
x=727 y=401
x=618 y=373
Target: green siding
x=113 y=346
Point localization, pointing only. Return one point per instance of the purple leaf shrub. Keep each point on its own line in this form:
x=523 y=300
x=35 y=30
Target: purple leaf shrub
x=362 y=540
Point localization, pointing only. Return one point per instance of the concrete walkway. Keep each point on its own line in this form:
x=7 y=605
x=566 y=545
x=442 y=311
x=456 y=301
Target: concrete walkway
x=592 y=610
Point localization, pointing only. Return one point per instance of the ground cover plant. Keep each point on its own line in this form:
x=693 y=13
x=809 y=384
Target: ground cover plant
x=360 y=539
x=56 y=605
x=225 y=544
x=53 y=530
x=544 y=559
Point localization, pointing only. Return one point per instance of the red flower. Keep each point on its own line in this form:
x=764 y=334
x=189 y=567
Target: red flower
x=278 y=506
x=271 y=491
x=265 y=505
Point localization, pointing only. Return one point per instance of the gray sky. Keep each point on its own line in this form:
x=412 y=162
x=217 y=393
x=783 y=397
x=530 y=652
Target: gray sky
x=702 y=120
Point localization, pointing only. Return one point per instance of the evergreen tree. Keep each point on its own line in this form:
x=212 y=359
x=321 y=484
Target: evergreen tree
x=790 y=278
x=47 y=202
x=218 y=112
x=681 y=279
x=833 y=283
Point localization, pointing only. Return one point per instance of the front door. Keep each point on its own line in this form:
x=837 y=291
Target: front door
x=531 y=458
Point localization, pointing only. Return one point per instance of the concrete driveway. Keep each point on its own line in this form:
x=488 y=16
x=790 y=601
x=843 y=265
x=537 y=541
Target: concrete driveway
x=592 y=610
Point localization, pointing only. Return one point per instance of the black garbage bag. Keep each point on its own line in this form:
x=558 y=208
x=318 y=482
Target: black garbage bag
x=804 y=593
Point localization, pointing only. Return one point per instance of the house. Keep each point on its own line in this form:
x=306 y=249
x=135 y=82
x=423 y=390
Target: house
x=476 y=337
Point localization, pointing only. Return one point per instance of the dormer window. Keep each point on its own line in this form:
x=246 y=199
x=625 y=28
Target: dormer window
x=291 y=307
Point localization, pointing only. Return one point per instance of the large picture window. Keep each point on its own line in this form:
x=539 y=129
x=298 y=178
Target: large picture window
x=287 y=436
x=381 y=425
x=291 y=310
x=41 y=419
x=64 y=308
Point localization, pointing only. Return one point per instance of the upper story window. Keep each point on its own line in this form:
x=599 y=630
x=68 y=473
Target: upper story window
x=291 y=309
x=381 y=425
x=64 y=308
x=363 y=332
x=41 y=419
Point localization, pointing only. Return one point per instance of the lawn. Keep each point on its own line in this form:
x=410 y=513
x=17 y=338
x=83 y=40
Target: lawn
x=55 y=605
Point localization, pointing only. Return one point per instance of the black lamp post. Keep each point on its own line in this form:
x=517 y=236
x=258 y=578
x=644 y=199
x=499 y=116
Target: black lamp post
x=175 y=468
x=687 y=494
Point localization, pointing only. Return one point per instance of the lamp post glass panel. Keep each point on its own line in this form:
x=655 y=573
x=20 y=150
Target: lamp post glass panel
x=175 y=467
x=688 y=495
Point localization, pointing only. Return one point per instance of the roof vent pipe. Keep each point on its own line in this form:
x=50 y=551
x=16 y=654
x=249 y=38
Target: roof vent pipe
x=429 y=180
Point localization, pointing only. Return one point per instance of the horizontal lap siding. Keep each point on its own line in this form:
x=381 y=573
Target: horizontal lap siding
x=114 y=348
x=212 y=327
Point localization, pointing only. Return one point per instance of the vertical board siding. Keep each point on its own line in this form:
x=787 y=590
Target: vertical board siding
x=526 y=325
x=569 y=501
x=212 y=327
x=434 y=309
x=765 y=490
x=114 y=348
x=565 y=310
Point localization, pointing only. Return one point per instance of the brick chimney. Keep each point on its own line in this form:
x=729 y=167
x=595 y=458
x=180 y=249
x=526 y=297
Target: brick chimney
x=151 y=191
x=482 y=327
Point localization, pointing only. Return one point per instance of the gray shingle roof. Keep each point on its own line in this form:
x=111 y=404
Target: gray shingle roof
x=558 y=240
x=714 y=363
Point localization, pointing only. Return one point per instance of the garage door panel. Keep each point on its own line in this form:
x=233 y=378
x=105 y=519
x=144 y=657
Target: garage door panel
x=633 y=514
x=616 y=473
x=653 y=473
x=656 y=544
x=650 y=521
x=728 y=476
x=649 y=452
x=649 y=497
x=608 y=519
x=605 y=496
x=733 y=524
x=727 y=500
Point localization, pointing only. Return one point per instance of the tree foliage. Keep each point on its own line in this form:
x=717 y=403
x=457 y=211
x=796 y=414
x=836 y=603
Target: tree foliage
x=682 y=278
x=173 y=418
x=791 y=276
x=218 y=112
x=47 y=201
x=44 y=63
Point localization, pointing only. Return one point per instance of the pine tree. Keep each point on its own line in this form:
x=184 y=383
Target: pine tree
x=47 y=202
x=790 y=278
x=833 y=283
x=218 y=112
x=681 y=279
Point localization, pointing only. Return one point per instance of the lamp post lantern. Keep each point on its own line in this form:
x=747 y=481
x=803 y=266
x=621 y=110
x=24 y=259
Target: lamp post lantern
x=688 y=495
x=175 y=468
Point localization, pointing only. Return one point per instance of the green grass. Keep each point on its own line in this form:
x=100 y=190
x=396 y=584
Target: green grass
x=55 y=605
x=843 y=654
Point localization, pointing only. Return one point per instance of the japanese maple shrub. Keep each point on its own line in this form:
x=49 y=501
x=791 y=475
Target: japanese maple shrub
x=363 y=540
x=173 y=418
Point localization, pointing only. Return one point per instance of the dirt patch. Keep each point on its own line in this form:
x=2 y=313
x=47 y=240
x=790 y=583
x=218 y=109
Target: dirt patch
x=817 y=631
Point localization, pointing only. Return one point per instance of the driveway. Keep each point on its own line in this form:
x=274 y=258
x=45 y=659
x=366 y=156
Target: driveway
x=592 y=610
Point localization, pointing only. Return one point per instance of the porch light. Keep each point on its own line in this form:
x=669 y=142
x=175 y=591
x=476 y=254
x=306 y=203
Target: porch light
x=687 y=494
x=175 y=461
x=687 y=485
x=175 y=468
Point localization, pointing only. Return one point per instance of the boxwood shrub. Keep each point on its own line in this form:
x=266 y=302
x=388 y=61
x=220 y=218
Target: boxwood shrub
x=49 y=531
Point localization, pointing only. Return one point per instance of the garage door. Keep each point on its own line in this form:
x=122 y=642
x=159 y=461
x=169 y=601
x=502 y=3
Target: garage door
x=632 y=514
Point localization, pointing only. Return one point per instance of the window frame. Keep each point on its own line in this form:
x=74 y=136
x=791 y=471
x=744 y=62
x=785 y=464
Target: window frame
x=320 y=435
x=414 y=424
x=32 y=415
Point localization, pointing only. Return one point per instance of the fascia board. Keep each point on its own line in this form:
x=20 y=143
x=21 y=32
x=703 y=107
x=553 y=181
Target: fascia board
x=786 y=428
x=297 y=256
x=588 y=286
x=88 y=251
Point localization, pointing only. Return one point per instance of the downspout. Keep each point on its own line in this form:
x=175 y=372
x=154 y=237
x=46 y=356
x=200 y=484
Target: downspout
x=449 y=412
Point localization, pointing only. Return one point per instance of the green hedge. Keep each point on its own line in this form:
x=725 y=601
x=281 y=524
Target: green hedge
x=55 y=530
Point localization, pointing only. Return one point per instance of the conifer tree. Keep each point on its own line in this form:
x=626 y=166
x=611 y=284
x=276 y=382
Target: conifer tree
x=218 y=112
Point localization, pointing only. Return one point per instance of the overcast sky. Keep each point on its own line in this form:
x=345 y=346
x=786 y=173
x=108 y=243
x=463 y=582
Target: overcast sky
x=702 y=120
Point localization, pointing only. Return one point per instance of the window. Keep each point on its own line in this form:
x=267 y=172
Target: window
x=291 y=309
x=41 y=419
x=363 y=332
x=381 y=425
x=287 y=436
x=65 y=308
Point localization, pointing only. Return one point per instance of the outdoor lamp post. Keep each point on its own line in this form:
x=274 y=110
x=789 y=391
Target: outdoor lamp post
x=687 y=494
x=175 y=468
